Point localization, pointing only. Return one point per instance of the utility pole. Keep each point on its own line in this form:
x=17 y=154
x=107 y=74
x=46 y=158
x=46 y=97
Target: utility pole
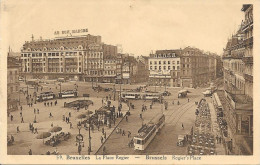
x=89 y=137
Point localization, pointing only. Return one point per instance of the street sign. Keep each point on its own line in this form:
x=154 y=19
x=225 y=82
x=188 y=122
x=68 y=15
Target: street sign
x=85 y=95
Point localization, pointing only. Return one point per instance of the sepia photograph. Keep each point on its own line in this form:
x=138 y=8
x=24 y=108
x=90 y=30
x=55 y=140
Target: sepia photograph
x=128 y=80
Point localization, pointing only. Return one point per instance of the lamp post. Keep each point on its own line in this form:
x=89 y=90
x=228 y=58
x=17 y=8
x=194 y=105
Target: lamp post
x=114 y=92
x=79 y=139
x=89 y=137
x=60 y=89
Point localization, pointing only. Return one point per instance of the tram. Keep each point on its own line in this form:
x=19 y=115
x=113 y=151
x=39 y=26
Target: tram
x=45 y=96
x=141 y=95
x=148 y=131
x=68 y=94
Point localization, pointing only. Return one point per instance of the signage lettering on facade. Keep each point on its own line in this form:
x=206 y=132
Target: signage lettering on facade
x=70 y=31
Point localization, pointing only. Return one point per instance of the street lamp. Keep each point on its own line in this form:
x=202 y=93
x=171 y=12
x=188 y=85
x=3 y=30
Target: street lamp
x=79 y=139
x=114 y=92
x=89 y=137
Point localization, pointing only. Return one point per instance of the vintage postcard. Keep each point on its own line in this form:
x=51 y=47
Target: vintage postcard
x=129 y=82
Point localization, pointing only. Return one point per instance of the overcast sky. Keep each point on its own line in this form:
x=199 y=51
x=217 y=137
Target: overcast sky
x=139 y=26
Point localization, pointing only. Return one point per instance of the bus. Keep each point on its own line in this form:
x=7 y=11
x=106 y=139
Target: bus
x=148 y=131
x=45 y=96
x=68 y=94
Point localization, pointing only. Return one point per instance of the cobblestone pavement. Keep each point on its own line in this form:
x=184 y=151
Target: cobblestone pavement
x=164 y=142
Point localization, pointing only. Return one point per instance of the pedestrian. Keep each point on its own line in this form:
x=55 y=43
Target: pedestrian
x=17 y=129
x=129 y=134
x=68 y=119
x=34 y=110
x=51 y=103
x=35 y=130
x=101 y=139
x=188 y=100
x=104 y=150
x=70 y=125
x=22 y=120
x=98 y=127
x=21 y=114
x=141 y=117
x=50 y=115
x=51 y=124
x=103 y=130
x=123 y=133
x=12 y=138
x=21 y=108
x=30 y=152
x=217 y=139
x=12 y=117
x=105 y=135
x=151 y=106
x=45 y=104
x=38 y=111
x=182 y=125
x=69 y=114
x=48 y=103
x=126 y=118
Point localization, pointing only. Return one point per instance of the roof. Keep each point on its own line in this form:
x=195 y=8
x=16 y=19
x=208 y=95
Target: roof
x=245 y=7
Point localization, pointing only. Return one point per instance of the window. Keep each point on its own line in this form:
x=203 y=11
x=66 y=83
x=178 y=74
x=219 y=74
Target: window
x=178 y=62
x=164 y=67
x=169 y=67
x=178 y=67
x=155 y=67
x=183 y=65
x=150 y=62
x=164 y=62
x=151 y=67
x=173 y=67
x=155 y=62
x=169 y=62
x=159 y=62
x=160 y=67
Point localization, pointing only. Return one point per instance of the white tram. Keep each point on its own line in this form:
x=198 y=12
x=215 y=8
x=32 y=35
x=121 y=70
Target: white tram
x=148 y=131
x=68 y=94
x=45 y=96
x=142 y=95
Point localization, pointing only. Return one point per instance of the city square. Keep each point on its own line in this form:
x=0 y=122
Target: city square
x=75 y=93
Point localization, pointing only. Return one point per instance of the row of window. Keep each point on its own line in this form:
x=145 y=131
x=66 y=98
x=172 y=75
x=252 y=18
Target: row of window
x=164 y=62
x=164 y=68
x=110 y=72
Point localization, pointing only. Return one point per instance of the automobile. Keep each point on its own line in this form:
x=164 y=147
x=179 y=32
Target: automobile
x=166 y=93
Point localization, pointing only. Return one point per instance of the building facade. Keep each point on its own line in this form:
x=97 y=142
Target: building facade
x=238 y=85
x=75 y=57
x=13 y=86
x=164 y=67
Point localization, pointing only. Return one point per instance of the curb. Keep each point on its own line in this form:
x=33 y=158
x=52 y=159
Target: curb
x=110 y=135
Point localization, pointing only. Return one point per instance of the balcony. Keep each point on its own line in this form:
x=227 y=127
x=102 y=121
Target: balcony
x=248 y=60
x=247 y=23
x=248 y=77
x=248 y=41
x=240 y=102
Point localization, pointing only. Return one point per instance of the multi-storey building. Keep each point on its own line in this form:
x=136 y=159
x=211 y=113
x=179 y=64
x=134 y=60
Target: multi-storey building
x=74 y=57
x=164 y=67
x=247 y=29
x=238 y=85
x=110 y=69
x=13 y=85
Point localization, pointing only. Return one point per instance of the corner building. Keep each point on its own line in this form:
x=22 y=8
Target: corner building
x=74 y=57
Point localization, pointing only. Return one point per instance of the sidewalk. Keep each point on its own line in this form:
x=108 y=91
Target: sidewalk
x=220 y=149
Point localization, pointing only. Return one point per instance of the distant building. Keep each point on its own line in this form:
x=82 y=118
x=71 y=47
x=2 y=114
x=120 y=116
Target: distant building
x=164 y=67
x=74 y=57
x=110 y=69
x=13 y=86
